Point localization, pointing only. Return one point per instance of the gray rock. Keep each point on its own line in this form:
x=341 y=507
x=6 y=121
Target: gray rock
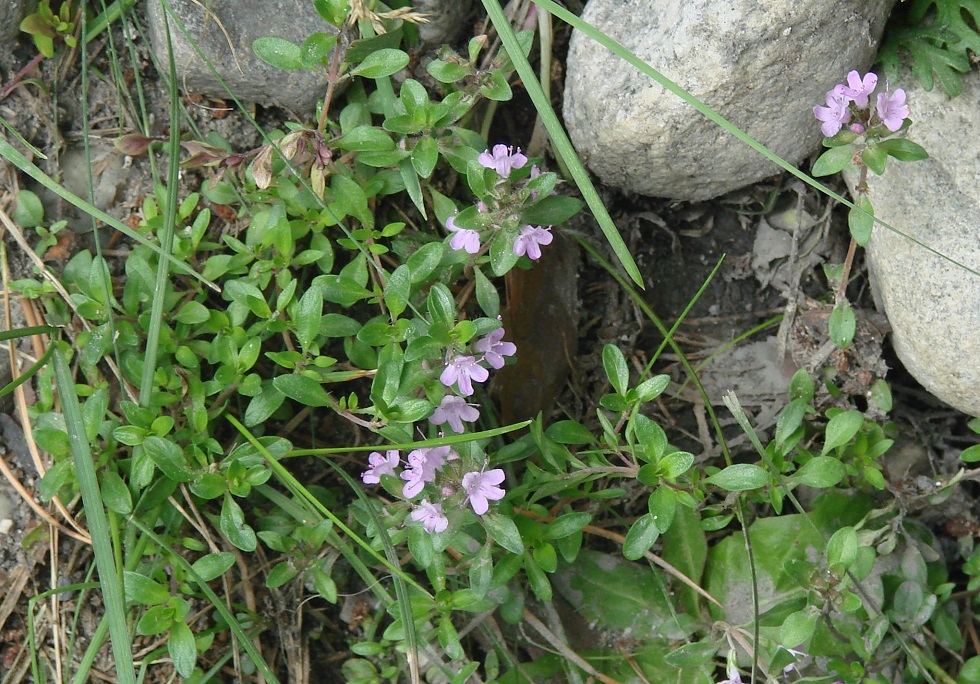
x=934 y=305
x=243 y=21
x=446 y=19
x=12 y=12
x=762 y=64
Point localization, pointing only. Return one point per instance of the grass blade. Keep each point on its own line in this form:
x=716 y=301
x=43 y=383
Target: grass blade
x=563 y=146
x=98 y=524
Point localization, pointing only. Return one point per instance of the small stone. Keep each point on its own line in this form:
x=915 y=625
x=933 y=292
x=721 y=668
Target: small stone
x=225 y=33
x=932 y=304
x=446 y=19
x=761 y=65
x=12 y=12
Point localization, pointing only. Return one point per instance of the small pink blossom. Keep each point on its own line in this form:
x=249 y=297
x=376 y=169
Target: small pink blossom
x=380 y=465
x=454 y=410
x=422 y=466
x=892 y=109
x=858 y=89
x=463 y=370
x=503 y=159
x=494 y=348
x=835 y=114
x=431 y=516
x=463 y=238
x=481 y=487
x=857 y=128
x=530 y=241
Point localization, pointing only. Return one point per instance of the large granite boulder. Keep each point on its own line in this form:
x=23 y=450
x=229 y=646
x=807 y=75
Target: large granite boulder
x=762 y=64
x=225 y=31
x=933 y=305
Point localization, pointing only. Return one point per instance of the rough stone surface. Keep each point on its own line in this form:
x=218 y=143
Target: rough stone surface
x=12 y=12
x=934 y=305
x=446 y=19
x=244 y=21
x=762 y=64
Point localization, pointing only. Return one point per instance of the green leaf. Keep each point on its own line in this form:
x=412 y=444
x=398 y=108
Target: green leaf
x=798 y=627
x=213 y=565
x=316 y=49
x=821 y=472
x=143 y=590
x=740 y=477
x=381 y=63
x=841 y=429
x=366 y=139
x=790 y=419
x=616 y=369
x=29 y=212
x=903 y=149
x=503 y=531
x=168 y=457
x=156 y=620
x=263 y=405
x=861 y=222
x=842 y=325
x=566 y=525
x=308 y=313
x=425 y=154
x=662 y=505
x=502 y=256
x=447 y=72
x=686 y=548
x=233 y=526
x=971 y=454
x=486 y=294
x=641 y=536
x=874 y=158
x=676 y=464
x=537 y=579
x=324 y=585
x=306 y=391
x=182 y=648
x=833 y=160
x=441 y=305
x=842 y=548
x=481 y=571
x=651 y=388
x=280 y=574
x=398 y=290
x=116 y=494
x=552 y=210
x=278 y=52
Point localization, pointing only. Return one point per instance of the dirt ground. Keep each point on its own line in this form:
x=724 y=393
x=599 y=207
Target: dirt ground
x=774 y=238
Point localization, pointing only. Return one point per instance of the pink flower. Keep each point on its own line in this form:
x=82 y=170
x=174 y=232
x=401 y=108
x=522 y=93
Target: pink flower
x=530 y=240
x=454 y=410
x=503 y=159
x=494 y=349
x=835 y=114
x=431 y=516
x=422 y=466
x=463 y=370
x=463 y=238
x=380 y=465
x=481 y=486
x=858 y=89
x=892 y=109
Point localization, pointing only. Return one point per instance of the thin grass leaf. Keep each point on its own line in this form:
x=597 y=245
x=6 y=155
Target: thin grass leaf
x=161 y=282
x=629 y=57
x=98 y=524
x=563 y=146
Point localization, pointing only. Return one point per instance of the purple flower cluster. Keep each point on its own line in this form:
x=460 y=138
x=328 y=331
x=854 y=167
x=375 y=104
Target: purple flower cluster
x=851 y=103
x=427 y=465
x=503 y=160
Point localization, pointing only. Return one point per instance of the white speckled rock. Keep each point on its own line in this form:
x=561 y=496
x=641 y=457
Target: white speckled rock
x=244 y=21
x=762 y=64
x=12 y=12
x=932 y=304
